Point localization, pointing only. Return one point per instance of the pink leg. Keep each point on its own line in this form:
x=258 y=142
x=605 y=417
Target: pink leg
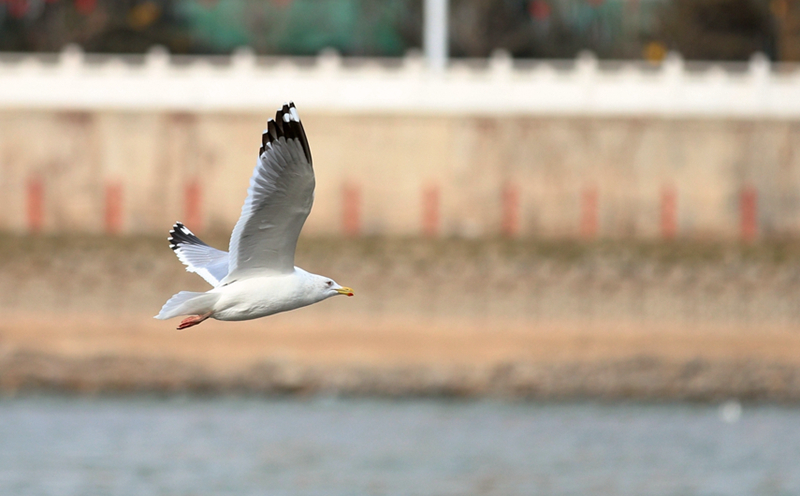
x=193 y=321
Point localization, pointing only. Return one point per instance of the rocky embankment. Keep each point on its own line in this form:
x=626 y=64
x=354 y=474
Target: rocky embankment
x=643 y=378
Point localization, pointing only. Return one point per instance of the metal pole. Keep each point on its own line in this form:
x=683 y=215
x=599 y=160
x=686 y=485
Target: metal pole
x=435 y=34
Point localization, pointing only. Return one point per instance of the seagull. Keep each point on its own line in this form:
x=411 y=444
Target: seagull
x=257 y=276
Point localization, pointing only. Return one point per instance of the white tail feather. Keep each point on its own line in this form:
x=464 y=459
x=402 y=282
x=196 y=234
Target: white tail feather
x=188 y=303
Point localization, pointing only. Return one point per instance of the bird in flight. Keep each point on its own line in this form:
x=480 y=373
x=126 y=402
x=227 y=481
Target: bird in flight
x=257 y=276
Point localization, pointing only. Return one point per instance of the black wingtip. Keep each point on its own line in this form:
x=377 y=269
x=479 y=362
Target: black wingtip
x=286 y=124
x=181 y=235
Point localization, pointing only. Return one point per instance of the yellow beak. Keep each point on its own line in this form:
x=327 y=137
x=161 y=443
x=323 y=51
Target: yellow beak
x=345 y=291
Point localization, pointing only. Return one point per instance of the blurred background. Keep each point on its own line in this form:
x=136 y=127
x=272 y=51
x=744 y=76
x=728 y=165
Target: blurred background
x=573 y=228
x=618 y=29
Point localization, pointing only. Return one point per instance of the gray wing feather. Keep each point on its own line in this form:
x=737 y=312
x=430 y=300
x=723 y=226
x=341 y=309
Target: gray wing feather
x=278 y=202
x=207 y=262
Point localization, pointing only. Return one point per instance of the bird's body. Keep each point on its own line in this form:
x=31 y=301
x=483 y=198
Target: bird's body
x=262 y=296
x=257 y=277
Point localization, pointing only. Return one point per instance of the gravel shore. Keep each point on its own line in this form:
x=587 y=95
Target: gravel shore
x=638 y=378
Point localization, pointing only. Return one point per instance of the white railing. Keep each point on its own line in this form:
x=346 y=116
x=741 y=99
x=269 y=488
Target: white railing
x=73 y=80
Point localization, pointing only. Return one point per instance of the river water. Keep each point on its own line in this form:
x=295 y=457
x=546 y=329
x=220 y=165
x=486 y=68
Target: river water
x=324 y=446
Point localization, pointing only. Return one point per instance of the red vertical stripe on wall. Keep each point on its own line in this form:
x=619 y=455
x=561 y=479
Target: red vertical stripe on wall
x=35 y=203
x=113 y=208
x=749 y=213
x=430 y=211
x=589 y=215
x=351 y=209
x=510 y=223
x=669 y=212
x=193 y=198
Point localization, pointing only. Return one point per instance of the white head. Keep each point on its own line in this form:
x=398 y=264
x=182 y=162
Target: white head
x=325 y=287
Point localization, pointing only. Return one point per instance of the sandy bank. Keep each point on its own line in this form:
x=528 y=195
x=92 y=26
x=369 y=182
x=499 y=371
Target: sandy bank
x=470 y=318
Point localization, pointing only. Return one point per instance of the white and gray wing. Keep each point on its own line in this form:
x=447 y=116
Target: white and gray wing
x=207 y=262
x=278 y=201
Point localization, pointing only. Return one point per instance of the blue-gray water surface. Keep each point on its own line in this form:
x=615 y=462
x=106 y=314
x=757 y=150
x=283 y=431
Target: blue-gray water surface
x=144 y=446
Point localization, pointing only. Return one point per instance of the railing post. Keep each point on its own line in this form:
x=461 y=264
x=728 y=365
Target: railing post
x=434 y=36
x=759 y=69
x=586 y=71
x=672 y=72
x=501 y=64
x=156 y=60
x=243 y=60
x=71 y=58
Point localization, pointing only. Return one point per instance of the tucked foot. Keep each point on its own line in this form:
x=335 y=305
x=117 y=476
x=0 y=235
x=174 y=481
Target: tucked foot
x=193 y=321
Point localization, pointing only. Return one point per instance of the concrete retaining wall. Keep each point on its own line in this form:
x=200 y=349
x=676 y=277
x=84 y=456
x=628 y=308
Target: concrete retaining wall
x=129 y=144
x=408 y=174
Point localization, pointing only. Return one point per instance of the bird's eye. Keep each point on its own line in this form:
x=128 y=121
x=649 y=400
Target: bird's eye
x=329 y=283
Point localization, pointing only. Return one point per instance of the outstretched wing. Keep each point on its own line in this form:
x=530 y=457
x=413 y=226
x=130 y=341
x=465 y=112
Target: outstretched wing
x=278 y=201
x=207 y=262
